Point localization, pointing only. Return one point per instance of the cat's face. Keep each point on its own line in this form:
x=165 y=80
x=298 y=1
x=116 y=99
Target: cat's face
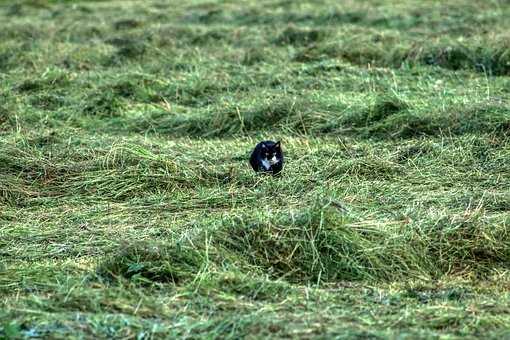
x=271 y=152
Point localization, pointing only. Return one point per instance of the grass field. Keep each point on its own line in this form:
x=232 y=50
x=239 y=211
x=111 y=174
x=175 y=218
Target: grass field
x=128 y=209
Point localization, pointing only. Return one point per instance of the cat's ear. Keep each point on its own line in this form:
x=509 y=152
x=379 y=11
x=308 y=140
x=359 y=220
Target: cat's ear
x=263 y=146
x=277 y=144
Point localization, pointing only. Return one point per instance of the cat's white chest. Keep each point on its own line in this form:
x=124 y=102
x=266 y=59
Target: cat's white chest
x=266 y=164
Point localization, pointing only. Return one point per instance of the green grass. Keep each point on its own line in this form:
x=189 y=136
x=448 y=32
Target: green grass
x=128 y=208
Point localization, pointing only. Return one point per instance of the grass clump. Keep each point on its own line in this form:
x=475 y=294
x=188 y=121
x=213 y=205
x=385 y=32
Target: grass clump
x=322 y=245
x=386 y=107
x=146 y=263
x=103 y=104
x=127 y=24
x=383 y=108
x=469 y=243
x=319 y=245
x=300 y=248
x=296 y=36
x=467 y=121
x=5 y=118
x=54 y=79
x=492 y=60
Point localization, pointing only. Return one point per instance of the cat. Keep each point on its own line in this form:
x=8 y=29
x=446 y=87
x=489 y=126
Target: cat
x=267 y=157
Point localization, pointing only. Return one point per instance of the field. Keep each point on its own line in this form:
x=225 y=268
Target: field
x=128 y=208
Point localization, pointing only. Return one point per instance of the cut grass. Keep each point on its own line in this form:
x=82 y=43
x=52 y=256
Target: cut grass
x=128 y=209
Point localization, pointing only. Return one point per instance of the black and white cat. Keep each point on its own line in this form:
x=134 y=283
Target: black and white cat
x=267 y=157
